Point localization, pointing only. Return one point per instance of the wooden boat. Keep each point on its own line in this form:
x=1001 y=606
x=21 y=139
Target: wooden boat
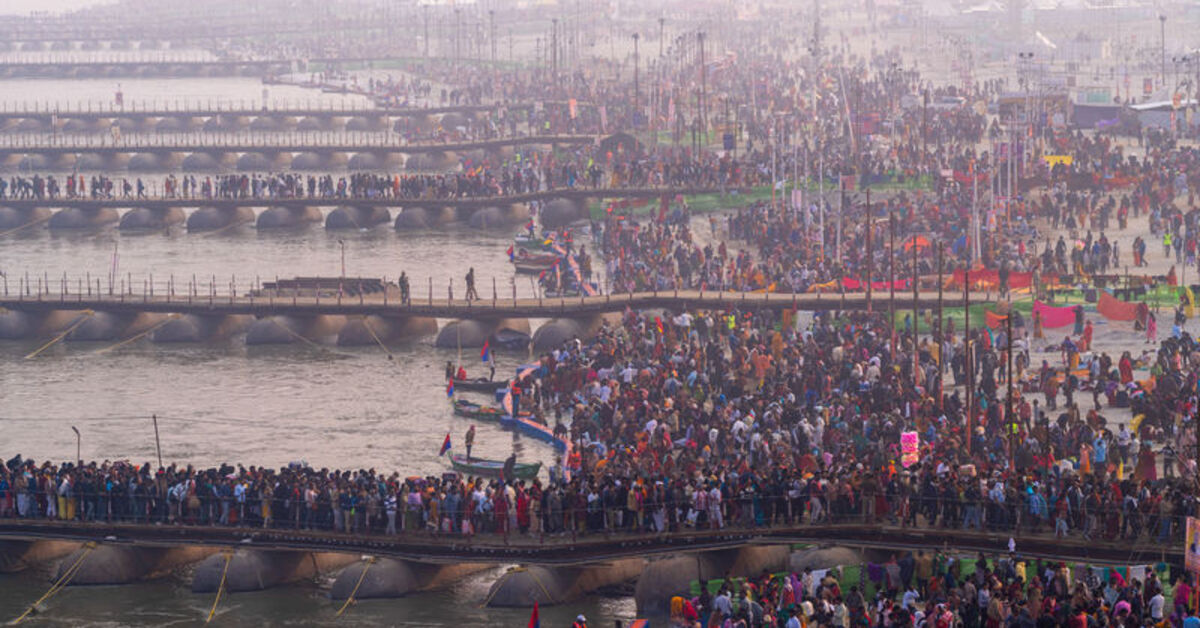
x=534 y=243
x=533 y=264
x=472 y=410
x=532 y=268
x=493 y=468
x=480 y=384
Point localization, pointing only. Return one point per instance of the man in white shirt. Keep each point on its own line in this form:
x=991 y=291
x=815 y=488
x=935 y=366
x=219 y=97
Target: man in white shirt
x=714 y=508
x=722 y=604
x=1156 y=607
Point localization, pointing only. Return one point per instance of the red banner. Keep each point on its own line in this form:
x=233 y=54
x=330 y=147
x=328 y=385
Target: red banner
x=1116 y=310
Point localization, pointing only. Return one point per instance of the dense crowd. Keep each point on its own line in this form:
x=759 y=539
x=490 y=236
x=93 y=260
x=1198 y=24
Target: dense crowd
x=713 y=420
x=937 y=590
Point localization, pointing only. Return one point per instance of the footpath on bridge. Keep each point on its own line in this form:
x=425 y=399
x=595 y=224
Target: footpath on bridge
x=590 y=548
x=209 y=303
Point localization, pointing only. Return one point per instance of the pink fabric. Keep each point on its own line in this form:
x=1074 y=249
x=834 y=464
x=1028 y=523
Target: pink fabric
x=856 y=284
x=1054 y=316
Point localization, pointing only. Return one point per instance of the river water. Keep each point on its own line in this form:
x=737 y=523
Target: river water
x=225 y=402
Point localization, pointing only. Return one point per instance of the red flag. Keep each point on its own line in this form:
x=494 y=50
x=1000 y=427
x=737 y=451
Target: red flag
x=534 y=621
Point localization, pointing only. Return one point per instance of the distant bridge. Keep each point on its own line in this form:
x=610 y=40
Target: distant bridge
x=260 y=152
x=346 y=142
x=248 y=109
x=101 y=67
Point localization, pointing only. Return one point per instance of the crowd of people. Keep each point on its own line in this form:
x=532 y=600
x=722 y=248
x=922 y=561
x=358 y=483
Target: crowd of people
x=713 y=420
x=943 y=591
x=696 y=420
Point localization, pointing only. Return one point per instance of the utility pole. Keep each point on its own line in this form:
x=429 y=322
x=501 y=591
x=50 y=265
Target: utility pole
x=157 y=442
x=870 y=252
x=425 y=12
x=841 y=214
x=661 y=35
x=967 y=350
x=916 y=284
x=892 y=275
x=492 y=28
x=1162 y=42
x=703 y=86
x=637 y=88
x=940 y=337
x=924 y=117
x=554 y=49
x=1009 y=419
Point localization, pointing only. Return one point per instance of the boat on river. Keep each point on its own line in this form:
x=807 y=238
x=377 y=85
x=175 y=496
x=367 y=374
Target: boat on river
x=480 y=384
x=472 y=410
x=493 y=468
x=534 y=264
x=524 y=241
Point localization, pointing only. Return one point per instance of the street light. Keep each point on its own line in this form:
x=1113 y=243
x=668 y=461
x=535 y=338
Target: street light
x=1162 y=41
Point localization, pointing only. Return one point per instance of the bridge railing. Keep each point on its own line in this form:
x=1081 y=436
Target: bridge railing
x=271 y=106
x=739 y=514
x=98 y=57
x=371 y=195
x=190 y=290
x=250 y=139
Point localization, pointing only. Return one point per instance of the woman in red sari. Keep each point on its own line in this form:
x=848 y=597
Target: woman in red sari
x=1125 y=366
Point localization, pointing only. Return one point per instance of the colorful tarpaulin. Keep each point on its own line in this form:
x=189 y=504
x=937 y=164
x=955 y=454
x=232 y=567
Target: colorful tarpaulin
x=990 y=277
x=855 y=284
x=1114 y=309
x=1054 y=316
x=994 y=320
x=828 y=286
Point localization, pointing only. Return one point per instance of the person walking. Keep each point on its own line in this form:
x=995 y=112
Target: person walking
x=471 y=293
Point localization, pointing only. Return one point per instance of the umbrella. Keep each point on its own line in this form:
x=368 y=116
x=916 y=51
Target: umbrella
x=920 y=242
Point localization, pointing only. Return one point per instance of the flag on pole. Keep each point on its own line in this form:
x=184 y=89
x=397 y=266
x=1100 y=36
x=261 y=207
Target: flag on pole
x=534 y=621
x=450 y=388
x=445 y=445
x=485 y=354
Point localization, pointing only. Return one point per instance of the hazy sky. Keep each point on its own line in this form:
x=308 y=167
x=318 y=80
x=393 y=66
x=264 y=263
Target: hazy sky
x=24 y=7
